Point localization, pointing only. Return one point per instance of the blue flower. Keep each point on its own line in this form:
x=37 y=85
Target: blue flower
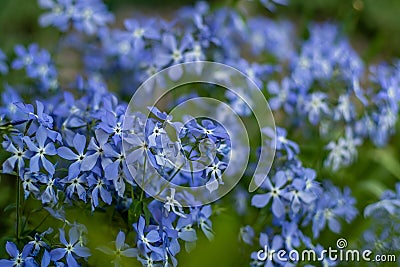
x=117 y=170
x=390 y=205
x=15 y=146
x=186 y=231
x=173 y=204
x=382 y=242
x=202 y=217
x=271 y=4
x=38 y=65
x=25 y=57
x=272 y=37
x=121 y=250
x=146 y=239
x=72 y=250
x=268 y=253
x=40 y=150
x=111 y=123
x=150 y=259
x=332 y=206
x=282 y=143
x=138 y=149
x=171 y=51
x=46 y=258
x=298 y=196
x=139 y=32
x=96 y=151
x=40 y=116
x=155 y=134
x=291 y=234
x=3 y=64
x=49 y=195
x=209 y=129
x=303 y=190
x=79 y=158
x=60 y=13
x=214 y=172
x=30 y=183
x=100 y=188
x=254 y=71
x=315 y=106
x=8 y=97
x=38 y=242
x=76 y=185
x=247 y=234
x=342 y=152
x=344 y=109
x=90 y=15
x=275 y=192
x=19 y=259
x=282 y=95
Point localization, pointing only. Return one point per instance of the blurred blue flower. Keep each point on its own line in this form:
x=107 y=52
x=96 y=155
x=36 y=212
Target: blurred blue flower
x=275 y=192
x=271 y=4
x=3 y=64
x=121 y=250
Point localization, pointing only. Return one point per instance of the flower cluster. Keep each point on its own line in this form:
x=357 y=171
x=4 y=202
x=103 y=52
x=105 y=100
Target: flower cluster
x=296 y=201
x=383 y=236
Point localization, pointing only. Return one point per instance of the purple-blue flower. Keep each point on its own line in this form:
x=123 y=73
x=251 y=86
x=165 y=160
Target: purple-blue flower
x=121 y=249
x=79 y=157
x=146 y=238
x=71 y=250
x=15 y=146
x=3 y=64
x=42 y=147
x=99 y=188
x=18 y=259
x=276 y=192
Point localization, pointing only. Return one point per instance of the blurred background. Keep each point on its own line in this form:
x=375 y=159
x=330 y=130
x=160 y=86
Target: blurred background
x=372 y=25
x=373 y=28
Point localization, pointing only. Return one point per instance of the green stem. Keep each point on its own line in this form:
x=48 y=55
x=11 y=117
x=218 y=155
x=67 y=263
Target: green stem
x=144 y=177
x=41 y=222
x=170 y=178
x=179 y=169
x=175 y=173
x=18 y=200
x=132 y=193
x=28 y=125
x=194 y=146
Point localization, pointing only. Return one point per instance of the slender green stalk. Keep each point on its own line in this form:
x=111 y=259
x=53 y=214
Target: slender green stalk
x=170 y=179
x=18 y=201
x=41 y=222
x=132 y=193
x=144 y=177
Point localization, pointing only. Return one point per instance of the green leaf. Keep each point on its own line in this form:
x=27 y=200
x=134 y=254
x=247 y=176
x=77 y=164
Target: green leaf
x=373 y=186
x=147 y=213
x=387 y=159
x=134 y=212
x=10 y=207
